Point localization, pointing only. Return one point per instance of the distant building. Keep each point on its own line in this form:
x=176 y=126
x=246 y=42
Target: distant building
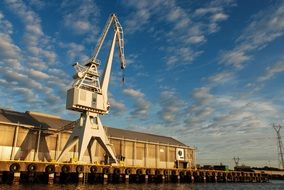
x=35 y=136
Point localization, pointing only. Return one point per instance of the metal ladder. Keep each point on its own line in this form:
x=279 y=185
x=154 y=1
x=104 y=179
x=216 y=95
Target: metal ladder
x=85 y=177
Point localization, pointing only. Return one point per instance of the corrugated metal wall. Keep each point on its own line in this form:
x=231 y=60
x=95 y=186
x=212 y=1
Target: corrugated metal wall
x=136 y=153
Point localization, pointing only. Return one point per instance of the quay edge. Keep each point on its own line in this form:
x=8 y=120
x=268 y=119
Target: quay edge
x=13 y=172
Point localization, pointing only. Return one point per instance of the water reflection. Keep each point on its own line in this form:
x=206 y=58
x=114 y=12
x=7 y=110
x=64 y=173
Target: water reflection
x=166 y=186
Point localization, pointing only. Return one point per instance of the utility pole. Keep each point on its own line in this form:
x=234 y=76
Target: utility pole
x=279 y=145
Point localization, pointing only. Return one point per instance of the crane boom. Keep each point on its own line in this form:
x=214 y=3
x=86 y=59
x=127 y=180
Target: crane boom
x=120 y=39
x=102 y=38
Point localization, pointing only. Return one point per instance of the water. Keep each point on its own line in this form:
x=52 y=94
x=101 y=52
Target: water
x=273 y=185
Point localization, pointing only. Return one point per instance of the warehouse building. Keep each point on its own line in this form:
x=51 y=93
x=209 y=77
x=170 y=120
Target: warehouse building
x=33 y=136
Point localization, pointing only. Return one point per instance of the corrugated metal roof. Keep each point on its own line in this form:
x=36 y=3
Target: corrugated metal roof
x=127 y=134
x=17 y=117
x=55 y=122
x=48 y=121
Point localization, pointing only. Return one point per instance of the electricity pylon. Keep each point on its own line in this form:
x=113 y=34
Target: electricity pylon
x=279 y=145
x=236 y=161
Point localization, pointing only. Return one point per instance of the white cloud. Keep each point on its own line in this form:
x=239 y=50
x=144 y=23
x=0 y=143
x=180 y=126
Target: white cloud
x=271 y=71
x=39 y=4
x=181 y=56
x=141 y=108
x=35 y=40
x=38 y=74
x=187 y=30
x=10 y=53
x=196 y=39
x=171 y=107
x=175 y=14
x=23 y=80
x=78 y=26
x=235 y=58
x=34 y=29
x=141 y=105
x=234 y=114
x=219 y=17
x=141 y=14
x=8 y=50
x=219 y=124
x=22 y=65
x=221 y=77
x=206 y=10
x=84 y=20
x=118 y=108
x=264 y=28
x=133 y=93
x=28 y=96
x=203 y=113
x=202 y=95
x=6 y=25
x=172 y=60
x=221 y=115
x=75 y=51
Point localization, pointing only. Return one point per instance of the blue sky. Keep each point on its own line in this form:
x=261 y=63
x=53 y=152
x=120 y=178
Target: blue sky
x=208 y=73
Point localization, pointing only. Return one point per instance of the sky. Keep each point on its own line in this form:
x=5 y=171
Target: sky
x=208 y=73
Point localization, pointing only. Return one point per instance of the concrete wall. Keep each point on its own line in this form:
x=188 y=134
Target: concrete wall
x=20 y=142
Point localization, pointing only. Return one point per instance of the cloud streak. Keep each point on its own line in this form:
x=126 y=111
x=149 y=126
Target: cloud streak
x=171 y=107
x=188 y=29
x=265 y=27
x=272 y=71
x=29 y=67
x=83 y=20
x=141 y=105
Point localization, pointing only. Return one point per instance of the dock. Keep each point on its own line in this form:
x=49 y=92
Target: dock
x=33 y=141
x=15 y=172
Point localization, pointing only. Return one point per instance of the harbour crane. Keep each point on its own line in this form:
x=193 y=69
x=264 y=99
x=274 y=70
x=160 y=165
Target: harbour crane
x=89 y=95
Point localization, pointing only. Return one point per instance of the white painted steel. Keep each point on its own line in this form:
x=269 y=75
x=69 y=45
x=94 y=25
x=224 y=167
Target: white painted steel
x=90 y=97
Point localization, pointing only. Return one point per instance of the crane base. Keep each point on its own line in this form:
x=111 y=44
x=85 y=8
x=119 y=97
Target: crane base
x=87 y=130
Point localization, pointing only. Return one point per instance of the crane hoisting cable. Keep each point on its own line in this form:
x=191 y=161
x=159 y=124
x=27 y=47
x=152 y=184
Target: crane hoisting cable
x=123 y=77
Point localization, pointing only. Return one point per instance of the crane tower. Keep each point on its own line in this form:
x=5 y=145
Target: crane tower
x=88 y=95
